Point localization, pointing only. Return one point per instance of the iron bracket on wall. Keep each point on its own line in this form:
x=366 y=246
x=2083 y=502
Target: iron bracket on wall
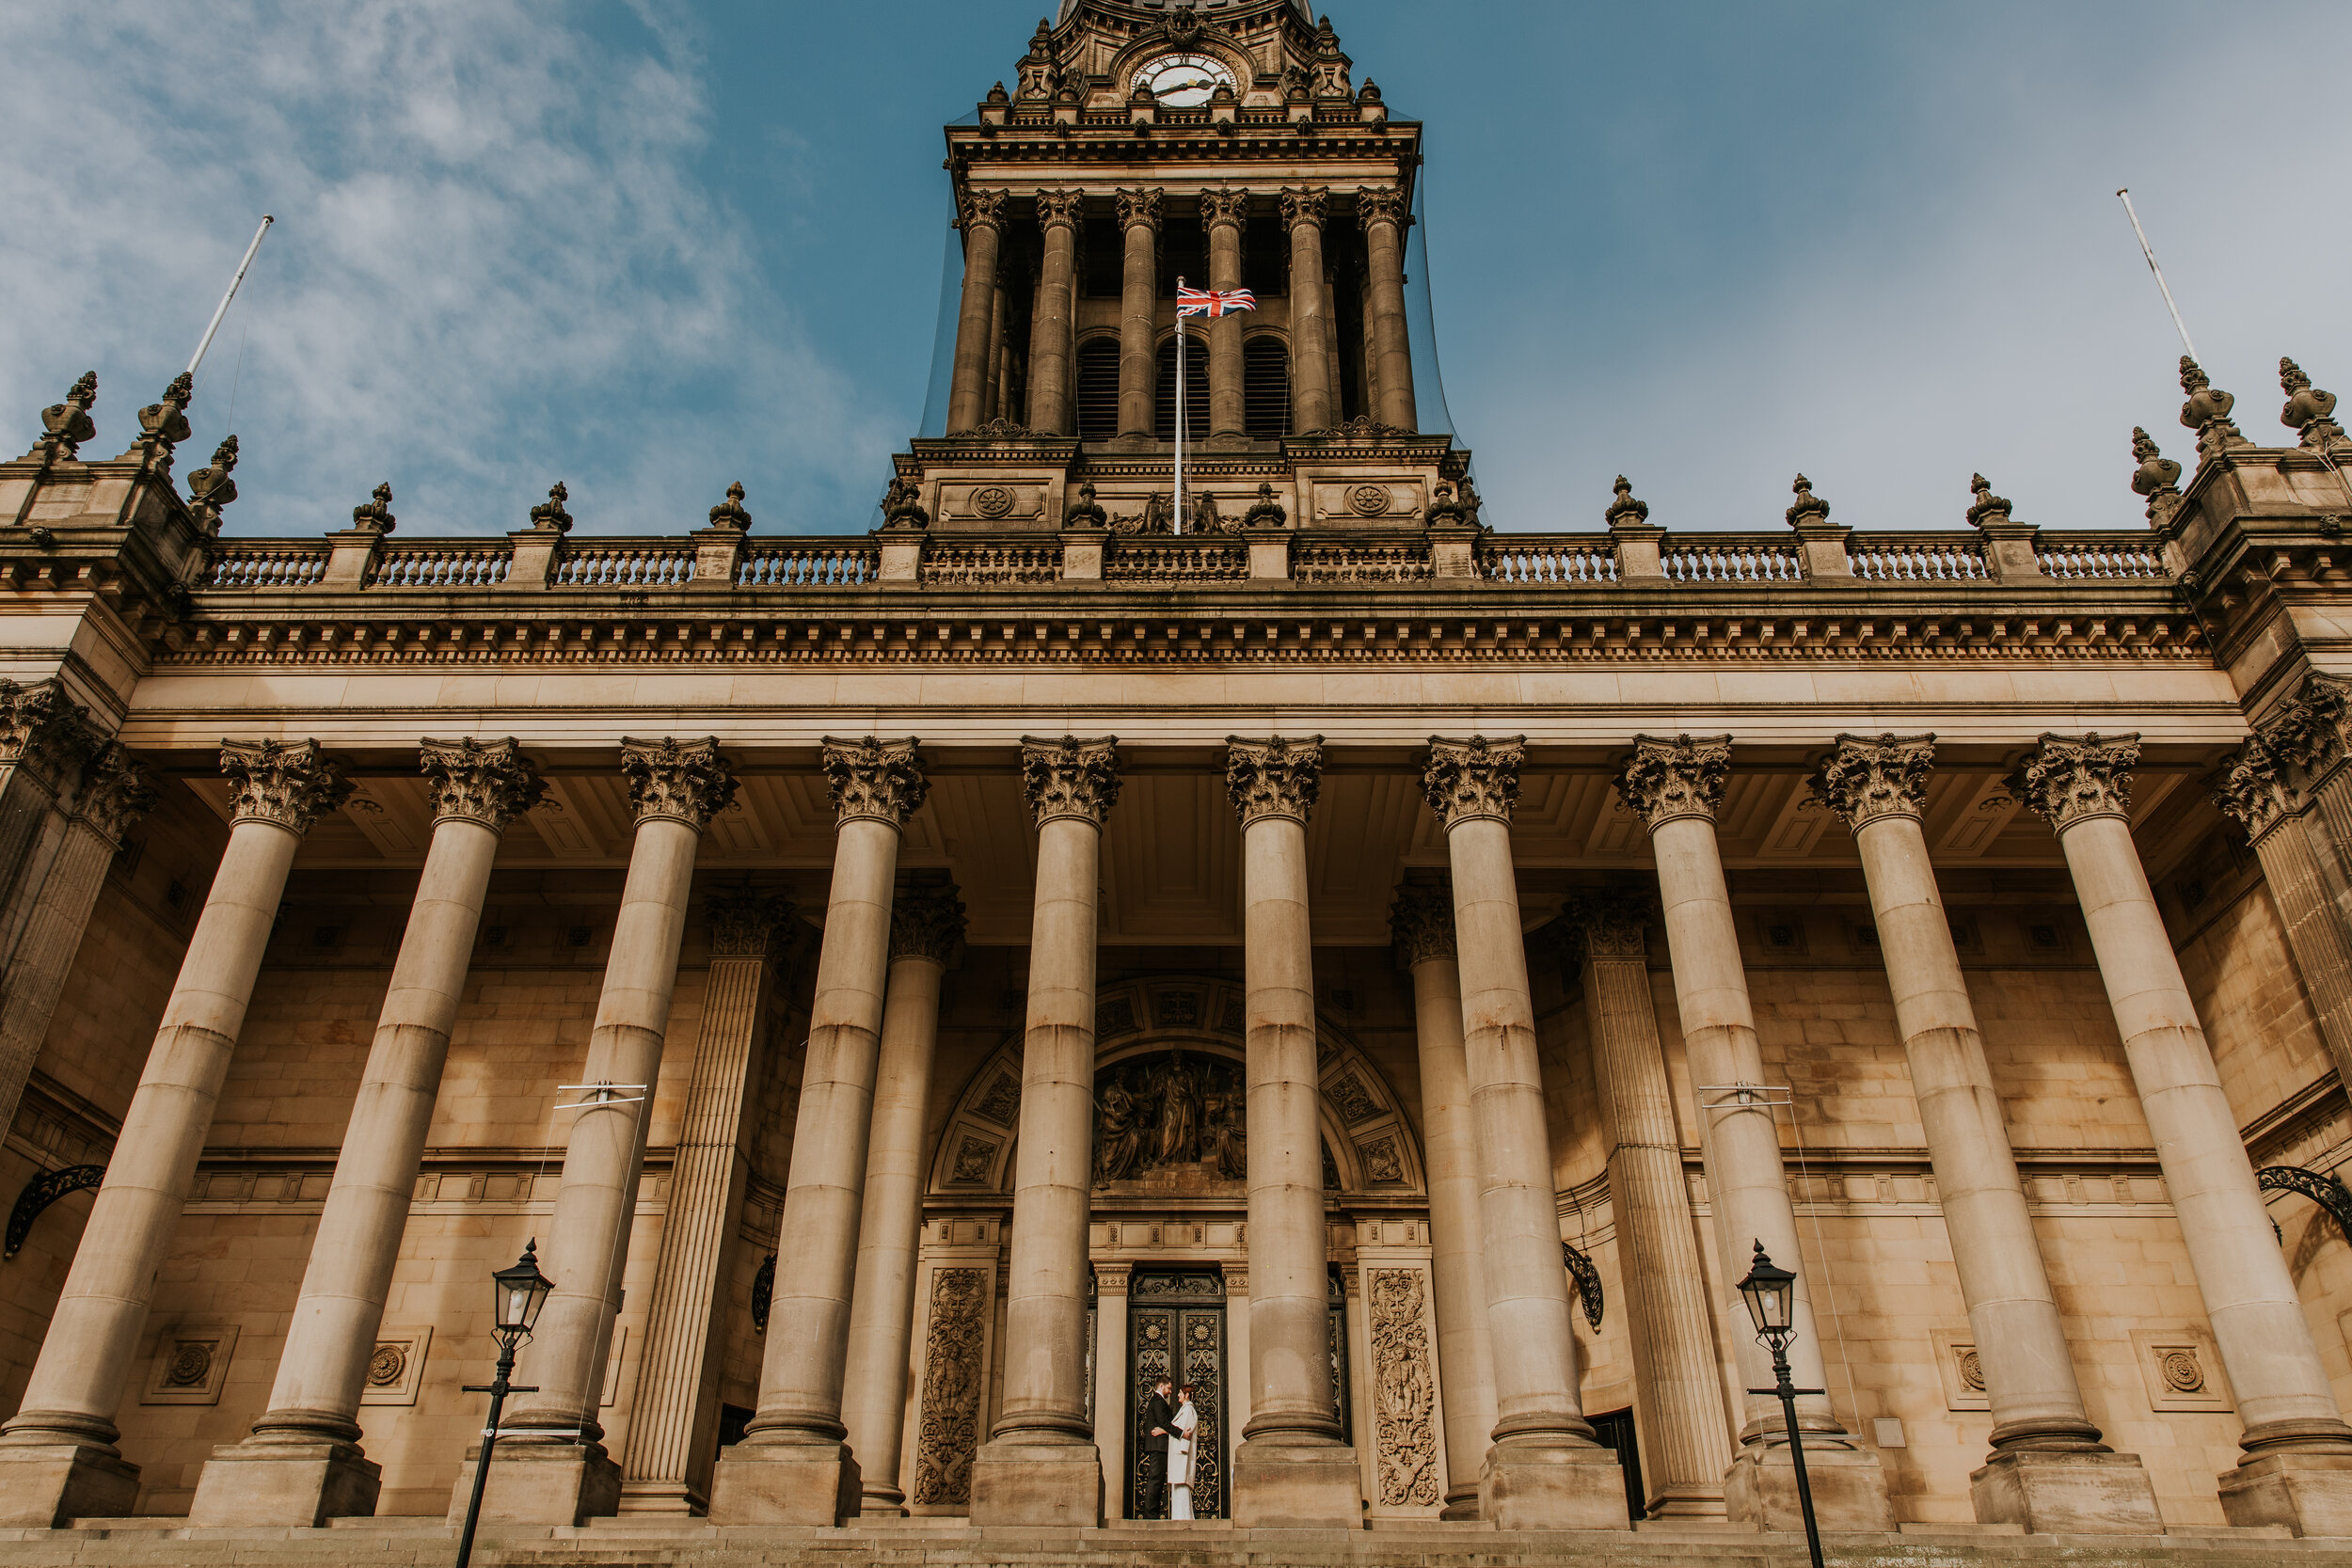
x=39 y=1193
x=763 y=1294
x=2324 y=1188
x=1587 y=1280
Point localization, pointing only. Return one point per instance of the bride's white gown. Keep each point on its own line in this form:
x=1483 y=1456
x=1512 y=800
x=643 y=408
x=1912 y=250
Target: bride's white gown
x=1179 y=1461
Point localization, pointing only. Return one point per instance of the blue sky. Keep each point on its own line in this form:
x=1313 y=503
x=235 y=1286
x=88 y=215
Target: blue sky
x=650 y=248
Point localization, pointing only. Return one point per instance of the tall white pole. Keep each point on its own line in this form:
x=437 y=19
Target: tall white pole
x=1178 y=523
x=215 y=325
x=2178 y=324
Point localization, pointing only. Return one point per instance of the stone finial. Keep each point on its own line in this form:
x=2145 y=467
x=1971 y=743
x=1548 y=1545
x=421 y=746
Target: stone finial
x=926 y=923
x=1809 y=508
x=1868 y=777
x=1661 y=780
x=997 y=97
x=548 y=516
x=1382 y=204
x=873 y=780
x=1067 y=208
x=1609 y=922
x=210 y=488
x=2068 y=779
x=1465 y=781
x=1139 y=206
x=1625 y=512
x=1986 y=508
x=979 y=209
x=1084 y=512
x=375 y=514
x=682 y=780
x=2252 y=789
x=2157 y=475
x=288 y=782
x=2313 y=731
x=729 y=513
x=44 y=731
x=490 y=782
x=748 y=924
x=116 y=791
x=66 y=425
x=1304 y=204
x=1273 y=778
x=2207 y=412
x=2308 y=409
x=1227 y=207
x=1445 y=507
x=1420 y=922
x=1265 y=512
x=1035 y=73
x=1369 y=92
x=164 y=423
x=1069 y=777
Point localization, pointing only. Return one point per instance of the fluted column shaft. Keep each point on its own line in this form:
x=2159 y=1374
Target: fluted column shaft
x=1311 y=313
x=2269 y=788
x=1138 y=303
x=1223 y=215
x=1383 y=215
x=1051 y=331
x=1422 y=921
x=924 y=929
x=980 y=215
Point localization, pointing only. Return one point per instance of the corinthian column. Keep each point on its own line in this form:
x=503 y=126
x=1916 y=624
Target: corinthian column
x=1674 y=786
x=1311 y=311
x=1051 y=330
x=556 y=1470
x=302 y=1465
x=926 y=932
x=1384 y=218
x=1223 y=215
x=57 y=1455
x=980 y=214
x=674 y=1426
x=1674 y=1376
x=1138 y=309
x=1040 y=1466
x=2298 y=1465
x=1422 y=920
x=1545 y=1470
x=792 y=1467
x=1293 y=1466
x=2048 y=1471
x=2267 y=795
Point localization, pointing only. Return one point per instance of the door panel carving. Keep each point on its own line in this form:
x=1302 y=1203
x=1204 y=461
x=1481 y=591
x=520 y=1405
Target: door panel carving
x=1176 y=1330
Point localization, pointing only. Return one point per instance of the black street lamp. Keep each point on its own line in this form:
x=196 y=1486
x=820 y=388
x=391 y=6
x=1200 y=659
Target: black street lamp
x=1772 y=1297
x=521 y=1290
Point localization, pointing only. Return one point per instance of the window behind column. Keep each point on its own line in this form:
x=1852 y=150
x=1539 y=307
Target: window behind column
x=1265 y=386
x=1098 y=388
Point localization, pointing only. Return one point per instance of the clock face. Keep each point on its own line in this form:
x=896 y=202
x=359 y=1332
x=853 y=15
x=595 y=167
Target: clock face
x=1184 y=81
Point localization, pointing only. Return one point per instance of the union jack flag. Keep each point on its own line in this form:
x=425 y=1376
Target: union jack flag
x=1212 y=302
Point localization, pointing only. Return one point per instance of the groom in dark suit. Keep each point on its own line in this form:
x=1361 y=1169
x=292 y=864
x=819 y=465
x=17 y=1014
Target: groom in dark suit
x=1157 y=1420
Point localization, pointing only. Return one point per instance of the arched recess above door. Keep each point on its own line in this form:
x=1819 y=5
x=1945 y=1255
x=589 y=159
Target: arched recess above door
x=1370 y=1144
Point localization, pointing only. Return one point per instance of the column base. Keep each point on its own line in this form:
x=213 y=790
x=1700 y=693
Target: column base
x=784 y=1483
x=2308 y=1492
x=1297 y=1486
x=1461 y=1506
x=882 y=1503
x=48 y=1485
x=2066 y=1492
x=298 y=1484
x=660 y=1498
x=1687 y=1502
x=1552 y=1485
x=1849 y=1489
x=542 y=1483
x=1022 y=1480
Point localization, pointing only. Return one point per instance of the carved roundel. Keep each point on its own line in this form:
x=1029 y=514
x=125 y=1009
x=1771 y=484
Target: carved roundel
x=2180 y=1372
x=191 y=1363
x=1369 y=500
x=991 y=500
x=386 y=1366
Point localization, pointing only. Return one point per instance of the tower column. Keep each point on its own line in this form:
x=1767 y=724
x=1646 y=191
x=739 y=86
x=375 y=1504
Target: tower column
x=1310 y=310
x=1293 y=1466
x=1040 y=1466
x=792 y=1467
x=1223 y=213
x=1052 y=327
x=302 y=1465
x=1674 y=786
x=1545 y=1470
x=980 y=215
x=555 y=1471
x=925 y=930
x=2298 y=1469
x=1384 y=218
x=1423 y=922
x=1138 y=309
x=1675 y=1378
x=58 y=1454
x=2048 y=1472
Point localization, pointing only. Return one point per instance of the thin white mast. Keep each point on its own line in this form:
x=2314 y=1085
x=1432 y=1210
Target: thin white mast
x=215 y=325
x=1177 y=524
x=2178 y=324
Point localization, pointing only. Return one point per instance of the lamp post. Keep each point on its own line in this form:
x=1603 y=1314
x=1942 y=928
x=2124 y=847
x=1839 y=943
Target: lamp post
x=520 y=1291
x=1770 y=1293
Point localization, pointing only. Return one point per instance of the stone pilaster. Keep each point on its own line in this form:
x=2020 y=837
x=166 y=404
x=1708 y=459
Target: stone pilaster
x=1384 y=218
x=1312 y=392
x=981 y=215
x=1138 y=309
x=2256 y=789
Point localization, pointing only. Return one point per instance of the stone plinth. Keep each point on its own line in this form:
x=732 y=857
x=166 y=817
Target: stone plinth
x=298 y=1484
x=1030 y=1483
x=1849 y=1489
x=542 y=1483
x=48 y=1485
x=2066 y=1492
x=2310 y=1494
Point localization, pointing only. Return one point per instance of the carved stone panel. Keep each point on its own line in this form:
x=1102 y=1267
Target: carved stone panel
x=191 y=1363
x=1404 y=1389
x=955 y=1377
x=396 y=1371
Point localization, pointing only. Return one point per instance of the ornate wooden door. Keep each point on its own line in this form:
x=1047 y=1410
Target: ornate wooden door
x=1176 y=1330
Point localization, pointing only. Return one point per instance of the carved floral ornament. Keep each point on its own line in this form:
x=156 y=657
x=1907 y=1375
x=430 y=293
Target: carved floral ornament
x=1468 y=780
x=874 y=779
x=1664 y=780
x=685 y=781
x=1870 y=777
x=1304 y=204
x=117 y=790
x=1273 y=778
x=2070 y=779
x=1422 y=920
x=44 y=730
x=1610 y=922
x=926 y=923
x=2252 y=789
x=1069 y=777
x=2308 y=732
x=492 y=781
x=748 y=924
x=285 y=782
x=1141 y=206
x=976 y=208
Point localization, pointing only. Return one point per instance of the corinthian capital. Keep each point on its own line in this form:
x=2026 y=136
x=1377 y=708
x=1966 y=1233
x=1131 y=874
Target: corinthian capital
x=1069 y=777
x=490 y=782
x=1067 y=208
x=42 y=730
x=748 y=926
x=116 y=791
x=2069 y=779
x=1304 y=204
x=874 y=779
x=1226 y=207
x=1610 y=922
x=1273 y=777
x=1662 y=780
x=1141 y=206
x=2309 y=732
x=1421 y=922
x=286 y=782
x=1868 y=777
x=685 y=781
x=979 y=209
x=1464 y=779
x=1380 y=204
x=926 y=923
x=2253 y=788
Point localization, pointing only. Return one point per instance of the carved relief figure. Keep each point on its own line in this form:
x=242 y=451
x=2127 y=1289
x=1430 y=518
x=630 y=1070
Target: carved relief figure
x=1119 y=1135
x=1169 y=1110
x=1180 y=1115
x=952 y=1383
x=1402 y=1389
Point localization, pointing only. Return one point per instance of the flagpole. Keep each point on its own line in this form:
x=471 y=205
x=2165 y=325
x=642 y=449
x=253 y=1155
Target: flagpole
x=2178 y=324
x=213 y=325
x=1177 y=525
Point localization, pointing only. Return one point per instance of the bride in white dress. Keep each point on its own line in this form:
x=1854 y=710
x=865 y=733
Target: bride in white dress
x=1180 y=1451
